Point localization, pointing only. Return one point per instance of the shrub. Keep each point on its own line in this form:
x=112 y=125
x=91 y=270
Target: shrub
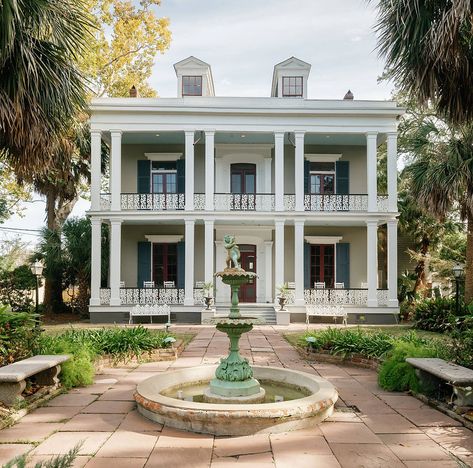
x=437 y=315
x=17 y=335
x=16 y=287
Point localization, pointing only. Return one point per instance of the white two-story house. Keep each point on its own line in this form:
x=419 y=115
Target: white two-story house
x=294 y=179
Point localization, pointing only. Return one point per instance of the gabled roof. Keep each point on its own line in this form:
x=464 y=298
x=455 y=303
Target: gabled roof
x=293 y=64
x=193 y=63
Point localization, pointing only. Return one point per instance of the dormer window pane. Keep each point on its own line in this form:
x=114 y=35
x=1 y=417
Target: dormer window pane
x=192 y=86
x=292 y=86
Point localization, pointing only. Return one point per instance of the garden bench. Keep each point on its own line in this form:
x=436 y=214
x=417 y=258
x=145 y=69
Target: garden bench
x=460 y=378
x=151 y=311
x=312 y=310
x=44 y=368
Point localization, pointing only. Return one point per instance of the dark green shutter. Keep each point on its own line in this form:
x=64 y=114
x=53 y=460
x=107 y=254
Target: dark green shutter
x=144 y=262
x=307 y=265
x=181 y=264
x=343 y=264
x=181 y=175
x=342 y=172
x=306 y=176
x=144 y=174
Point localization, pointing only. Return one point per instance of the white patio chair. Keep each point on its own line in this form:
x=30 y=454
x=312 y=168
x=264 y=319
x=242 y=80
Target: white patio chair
x=169 y=285
x=291 y=285
x=122 y=284
x=319 y=285
x=199 y=284
x=339 y=285
x=148 y=284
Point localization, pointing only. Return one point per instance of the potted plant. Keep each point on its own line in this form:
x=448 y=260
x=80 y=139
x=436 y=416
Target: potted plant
x=283 y=295
x=207 y=289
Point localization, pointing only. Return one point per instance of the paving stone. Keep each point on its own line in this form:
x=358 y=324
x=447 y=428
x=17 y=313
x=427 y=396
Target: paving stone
x=402 y=401
x=116 y=462
x=93 y=422
x=232 y=446
x=127 y=444
x=154 y=366
x=365 y=456
x=348 y=433
x=24 y=432
x=94 y=389
x=119 y=393
x=458 y=440
x=389 y=424
x=51 y=414
x=188 y=457
x=414 y=447
x=134 y=378
x=110 y=407
x=306 y=460
x=290 y=443
x=79 y=461
x=72 y=399
x=344 y=416
x=370 y=405
x=182 y=439
x=134 y=421
x=61 y=442
x=10 y=451
x=432 y=464
x=426 y=416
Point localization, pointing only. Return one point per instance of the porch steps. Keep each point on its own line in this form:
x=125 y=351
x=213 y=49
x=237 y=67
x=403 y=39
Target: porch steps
x=265 y=312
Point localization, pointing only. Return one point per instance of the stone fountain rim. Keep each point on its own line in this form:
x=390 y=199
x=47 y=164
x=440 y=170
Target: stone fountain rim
x=323 y=392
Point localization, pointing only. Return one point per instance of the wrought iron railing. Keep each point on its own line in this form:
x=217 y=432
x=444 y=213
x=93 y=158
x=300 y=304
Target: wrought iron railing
x=152 y=201
x=244 y=201
x=335 y=202
x=145 y=296
x=346 y=296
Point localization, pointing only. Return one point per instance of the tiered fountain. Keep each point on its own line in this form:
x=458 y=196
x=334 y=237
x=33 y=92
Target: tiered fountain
x=235 y=398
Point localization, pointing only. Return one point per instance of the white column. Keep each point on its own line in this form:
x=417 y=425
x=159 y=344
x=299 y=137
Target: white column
x=267 y=174
x=268 y=271
x=299 y=262
x=392 y=171
x=279 y=170
x=189 y=250
x=209 y=251
x=392 y=263
x=95 y=168
x=95 y=261
x=189 y=148
x=115 y=260
x=371 y=170
x=278 y=253
x=116 y=169
x=372 y=262
x=209 y=172
x=299 y=170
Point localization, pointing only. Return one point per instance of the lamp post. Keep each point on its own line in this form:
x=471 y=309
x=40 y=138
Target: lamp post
x=37 y=270
x=457 y=273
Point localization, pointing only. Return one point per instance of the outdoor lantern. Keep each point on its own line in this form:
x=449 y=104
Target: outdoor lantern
x=37 y=268
x=458 y=270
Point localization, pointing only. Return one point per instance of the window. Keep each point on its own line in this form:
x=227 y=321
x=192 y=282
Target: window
x=292 y=86
x=322 y=265
x=163 y=177
x=164 y=263
x=243 y=178
x=322 y=178
x=192 y=86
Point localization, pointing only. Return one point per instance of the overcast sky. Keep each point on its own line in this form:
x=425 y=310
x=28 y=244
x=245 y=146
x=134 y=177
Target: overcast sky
x=243 y=40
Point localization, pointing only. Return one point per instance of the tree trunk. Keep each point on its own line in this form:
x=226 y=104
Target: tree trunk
x=469 y=261
x=420 y=267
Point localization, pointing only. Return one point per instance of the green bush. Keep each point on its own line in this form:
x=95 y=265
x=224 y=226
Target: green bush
x=395 y=374
x=15 y=288
x=18 y=335
x=439 y=314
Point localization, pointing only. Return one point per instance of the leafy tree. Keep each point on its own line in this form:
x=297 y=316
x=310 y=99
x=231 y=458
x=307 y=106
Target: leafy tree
x=16 y=287
x=428 y=46
x=11 y=193
x=41 y=88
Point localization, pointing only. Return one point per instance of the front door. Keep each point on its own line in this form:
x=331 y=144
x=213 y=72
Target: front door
x=243 y=186
x=248 y=263
x=322 y=265
x=164 y=264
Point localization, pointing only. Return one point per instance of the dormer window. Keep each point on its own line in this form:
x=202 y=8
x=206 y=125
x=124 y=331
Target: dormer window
x=292 y=86
x=191 y=85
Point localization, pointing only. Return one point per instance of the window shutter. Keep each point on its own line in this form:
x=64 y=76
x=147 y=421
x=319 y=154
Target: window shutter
x=343 y=264
x=306 y=265
x=144 y=174
x=306 y=176
x=181 y=175
x=181 y=264
x=342 y=174
x=144 y=262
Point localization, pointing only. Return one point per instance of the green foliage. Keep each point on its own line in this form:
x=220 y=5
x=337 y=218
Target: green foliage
x=60 y=461
x=396 y=374
x=16 y=287
x=17 y=335
x=439 y=314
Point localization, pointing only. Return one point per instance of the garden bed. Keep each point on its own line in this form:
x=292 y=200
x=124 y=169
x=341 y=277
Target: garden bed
x=357 y=360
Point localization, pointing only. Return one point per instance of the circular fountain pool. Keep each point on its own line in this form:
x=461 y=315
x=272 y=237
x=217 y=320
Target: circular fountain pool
x=307 y=400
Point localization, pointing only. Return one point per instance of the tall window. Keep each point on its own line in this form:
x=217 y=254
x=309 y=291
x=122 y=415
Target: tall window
x=164 y=263
x=322 y=265
x=322 y=178
x=192 y=86
x=163 y=177
x=243 y=178
x=292 y=86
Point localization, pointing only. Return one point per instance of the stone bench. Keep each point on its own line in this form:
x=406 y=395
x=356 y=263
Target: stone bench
x=313 y=310
x=432 y=370
x=44 y=368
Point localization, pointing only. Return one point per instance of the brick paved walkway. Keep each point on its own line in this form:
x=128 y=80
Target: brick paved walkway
x=388 y=430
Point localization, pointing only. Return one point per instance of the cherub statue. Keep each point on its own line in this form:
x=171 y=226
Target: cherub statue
x=233 y=252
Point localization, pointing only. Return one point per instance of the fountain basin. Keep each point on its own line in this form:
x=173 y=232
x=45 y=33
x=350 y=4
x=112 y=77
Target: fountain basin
x=236 y=419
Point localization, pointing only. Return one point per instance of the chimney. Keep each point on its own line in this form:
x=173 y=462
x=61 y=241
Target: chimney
x=133 y=92
x=349 y=96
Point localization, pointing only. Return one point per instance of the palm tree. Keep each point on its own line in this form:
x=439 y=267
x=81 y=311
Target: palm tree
x=441 y=176
x=428 y=48
x=41 y=89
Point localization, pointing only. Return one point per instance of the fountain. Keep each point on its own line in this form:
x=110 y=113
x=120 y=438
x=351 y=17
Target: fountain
x=235 y=398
